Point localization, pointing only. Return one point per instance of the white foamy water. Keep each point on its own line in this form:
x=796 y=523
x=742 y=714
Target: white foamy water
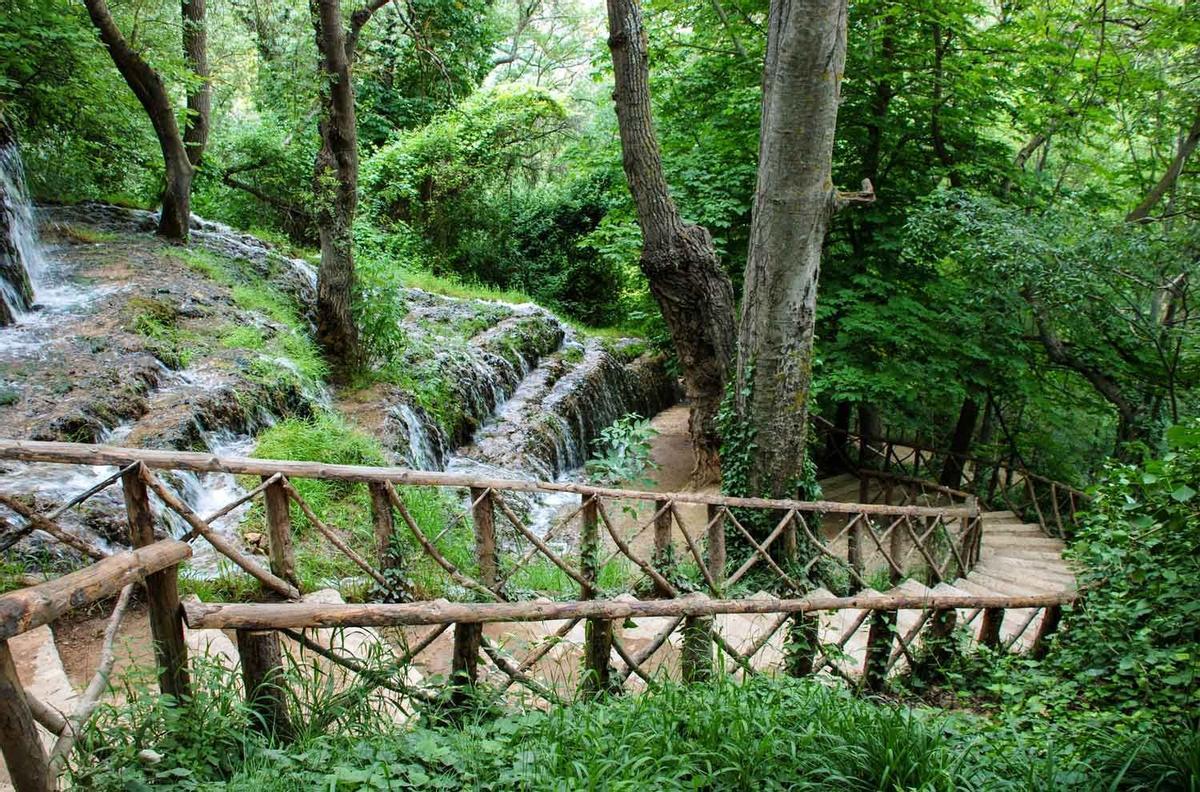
x=22 y=226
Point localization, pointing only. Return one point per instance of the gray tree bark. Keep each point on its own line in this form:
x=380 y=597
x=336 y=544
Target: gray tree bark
x=335 y=187
x=148 y=87
x=678 y=259
x=794 y=200
x=335 y=182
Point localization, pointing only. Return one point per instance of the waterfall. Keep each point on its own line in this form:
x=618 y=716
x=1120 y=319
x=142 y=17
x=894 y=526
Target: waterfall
x=21 y=262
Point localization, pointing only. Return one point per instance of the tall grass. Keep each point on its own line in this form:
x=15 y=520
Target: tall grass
x=763 y=734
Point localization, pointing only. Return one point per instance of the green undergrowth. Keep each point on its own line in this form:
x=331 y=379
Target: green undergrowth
x=766 y=733
x=343 y=506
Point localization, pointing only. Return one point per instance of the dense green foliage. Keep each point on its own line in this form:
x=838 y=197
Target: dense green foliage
x=764 y=734
x=1130 y=661
x=1004 y=265
x=1006 y=144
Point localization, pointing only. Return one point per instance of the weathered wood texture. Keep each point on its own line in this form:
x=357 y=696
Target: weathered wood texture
x=879 y=647
x=19 y=741
x=279 y=530
x=24 y=609
x=162 y=592
x=262 y=674
x=598 y=633
x=296 y=615
x=78 y=453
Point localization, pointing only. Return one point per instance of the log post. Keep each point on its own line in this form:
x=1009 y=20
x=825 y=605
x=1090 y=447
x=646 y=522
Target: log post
x=483 y=514
x=279 y=531
x=262 y=674
x=989 y=632
x=1050 y=620
x=854 y=541
x=1057 y=514
x=802 y=643
x=162 y=594
x=697 y=651
x=715 y=546
x=464 y=663
x=790 y=540
x=663 y=552
x=896 y=549
x=938 y=641
x=879 y=649
x=19 y=741
x=597 y=671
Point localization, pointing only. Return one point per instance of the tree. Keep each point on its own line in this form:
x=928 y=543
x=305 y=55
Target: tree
x=335 y=181
x=181 y=152
x=692 y=291
x=794 y=200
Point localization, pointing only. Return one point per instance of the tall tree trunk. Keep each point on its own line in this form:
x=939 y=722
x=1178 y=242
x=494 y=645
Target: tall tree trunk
x=199 y=99
x=794 y=200
x=678 y=259
x=335 y=186
x=960 y=443
x=148 y=87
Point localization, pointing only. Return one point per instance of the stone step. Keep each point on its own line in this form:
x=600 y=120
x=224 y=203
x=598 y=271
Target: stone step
x=1020 y=587
x=1004 y=567
x=1022 y=542
x=1017 y=529
x=1042 y=555
x=998 y=515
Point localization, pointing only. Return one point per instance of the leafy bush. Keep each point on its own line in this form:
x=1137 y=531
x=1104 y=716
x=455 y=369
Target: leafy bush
x=622 y=452
x=1127 y=660
x=1134 y=645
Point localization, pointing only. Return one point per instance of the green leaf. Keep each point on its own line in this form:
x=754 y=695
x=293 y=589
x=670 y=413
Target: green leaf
x=1184 y=494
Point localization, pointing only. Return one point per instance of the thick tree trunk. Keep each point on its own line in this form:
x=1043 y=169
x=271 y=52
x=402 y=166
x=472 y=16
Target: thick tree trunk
x=148 y=87
x=692 y=291
x=960 y=443
x=794 y=200
x=335 y=185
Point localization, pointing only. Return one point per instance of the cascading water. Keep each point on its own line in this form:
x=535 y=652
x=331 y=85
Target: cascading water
x=21 y=262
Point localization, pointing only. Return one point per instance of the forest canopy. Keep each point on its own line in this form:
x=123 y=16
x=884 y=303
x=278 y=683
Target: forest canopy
x=1027 y=263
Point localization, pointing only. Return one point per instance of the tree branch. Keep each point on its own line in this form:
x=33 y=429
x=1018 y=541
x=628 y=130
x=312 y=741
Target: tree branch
x=1187 y=144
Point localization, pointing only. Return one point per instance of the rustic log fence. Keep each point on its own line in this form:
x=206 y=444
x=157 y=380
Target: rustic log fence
x=687 y=582
x=912 y=469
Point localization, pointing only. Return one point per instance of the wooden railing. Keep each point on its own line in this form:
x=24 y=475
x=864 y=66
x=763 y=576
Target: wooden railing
x=685 y=573
x=155 y=564
x=997 y=483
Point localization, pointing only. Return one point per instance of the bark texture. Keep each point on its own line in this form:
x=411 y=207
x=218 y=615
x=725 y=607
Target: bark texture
x=794 y=200
x=678 y=259
x=199 y=99
x=148 y=87
x=335 y=185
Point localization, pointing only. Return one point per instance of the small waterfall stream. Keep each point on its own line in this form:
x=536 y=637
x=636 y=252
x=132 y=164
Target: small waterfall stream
x=22 y=264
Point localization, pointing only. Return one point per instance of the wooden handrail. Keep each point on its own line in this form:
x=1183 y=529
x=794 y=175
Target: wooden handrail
x=85 y=454
x=25 y=609
x=304 y=615
x=978 y=460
